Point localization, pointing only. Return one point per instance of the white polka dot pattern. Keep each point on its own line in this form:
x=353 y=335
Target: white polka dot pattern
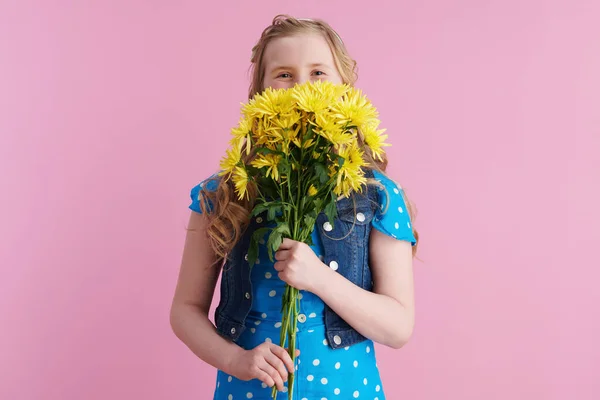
x=391 y=218
x=330 y=375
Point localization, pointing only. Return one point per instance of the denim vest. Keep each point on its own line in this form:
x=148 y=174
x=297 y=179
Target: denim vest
x=345 y=241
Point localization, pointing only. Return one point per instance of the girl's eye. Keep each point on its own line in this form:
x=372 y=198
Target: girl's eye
x=319 y=73
x=285 y=75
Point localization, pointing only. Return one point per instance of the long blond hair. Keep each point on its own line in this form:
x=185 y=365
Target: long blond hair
x=228 y=216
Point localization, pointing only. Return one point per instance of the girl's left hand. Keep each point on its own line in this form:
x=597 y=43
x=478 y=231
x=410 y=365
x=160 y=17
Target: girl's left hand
x=298 y=265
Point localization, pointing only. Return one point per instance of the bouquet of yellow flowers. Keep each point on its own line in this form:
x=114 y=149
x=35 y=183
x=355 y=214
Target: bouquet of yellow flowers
x=299 y=149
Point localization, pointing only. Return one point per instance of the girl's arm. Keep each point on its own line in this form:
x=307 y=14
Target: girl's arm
x=385 y=315
x=198 y=276
x=189 y=317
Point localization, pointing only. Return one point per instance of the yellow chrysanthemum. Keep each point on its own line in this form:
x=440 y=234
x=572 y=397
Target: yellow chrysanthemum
x=327 y=126
x=240 y=179
x=350 y=176
x=271 y=162
x=354 y=109
x=243 y=131
x=260 y=134
x=233 y=156
x=286 y=121
x=307 y=143
x=315 y=97
x=312 y=190
x=270 y=103
x=374 y=139
x=278 y=139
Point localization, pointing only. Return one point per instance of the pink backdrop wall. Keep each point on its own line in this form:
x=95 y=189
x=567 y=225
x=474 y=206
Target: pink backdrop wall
x=110 y=111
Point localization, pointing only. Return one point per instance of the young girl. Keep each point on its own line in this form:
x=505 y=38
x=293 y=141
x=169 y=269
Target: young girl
x=356 y=280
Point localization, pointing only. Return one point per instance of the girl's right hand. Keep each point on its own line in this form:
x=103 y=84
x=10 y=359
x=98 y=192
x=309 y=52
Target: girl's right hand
x=267 y=362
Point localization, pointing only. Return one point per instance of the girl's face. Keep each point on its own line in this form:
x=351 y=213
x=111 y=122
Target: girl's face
x=297 y=59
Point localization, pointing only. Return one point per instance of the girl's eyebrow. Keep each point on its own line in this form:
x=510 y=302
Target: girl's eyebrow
x=313 y=65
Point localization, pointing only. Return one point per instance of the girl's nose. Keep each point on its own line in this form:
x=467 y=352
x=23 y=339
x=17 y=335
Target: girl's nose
x=301 y=80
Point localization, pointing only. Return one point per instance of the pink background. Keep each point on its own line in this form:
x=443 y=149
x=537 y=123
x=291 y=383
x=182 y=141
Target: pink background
x=110 y=111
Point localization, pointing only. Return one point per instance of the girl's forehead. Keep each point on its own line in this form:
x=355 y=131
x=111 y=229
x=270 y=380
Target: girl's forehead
x=299 y=49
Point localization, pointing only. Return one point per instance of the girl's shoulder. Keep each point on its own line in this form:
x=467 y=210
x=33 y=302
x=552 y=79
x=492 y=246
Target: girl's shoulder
x=384 y=179
x=392 y=216
x=209 y=184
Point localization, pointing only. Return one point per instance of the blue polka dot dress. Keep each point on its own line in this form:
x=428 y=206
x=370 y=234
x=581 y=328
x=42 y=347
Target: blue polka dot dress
x=321 y=372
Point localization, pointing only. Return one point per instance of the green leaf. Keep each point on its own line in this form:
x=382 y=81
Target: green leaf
x=318 y=203
x=284 y=229
x=303 y=201
x=259 y=209
x=260 y=233
x=309 y=240
x=321 y=172
x=284 y=166
x=331 y=211
x=273 y=243
x=253 y=249
x=272 y=212
x=268 y=187
x=252 y=252
x=253 y=171
x=309 y=221
x=265 y=150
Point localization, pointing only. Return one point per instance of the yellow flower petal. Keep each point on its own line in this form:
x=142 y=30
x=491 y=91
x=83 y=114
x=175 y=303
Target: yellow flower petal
x=233 y=156
x=374 y=139
x=354 y=109
x=240 y=179
x=350 y=175
x=271 y=162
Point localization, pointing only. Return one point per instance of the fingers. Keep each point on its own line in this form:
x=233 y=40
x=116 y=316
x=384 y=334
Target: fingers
x=274 y=374
x=284 y=356
x=272 y=371
x=286 y=244
x=278 y=364
x=297 y=351
x=265 y=377
x=281 y=255
x=279 y=266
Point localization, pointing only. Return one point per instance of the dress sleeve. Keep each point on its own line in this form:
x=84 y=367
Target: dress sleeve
x=392 y=216
x=209 y=184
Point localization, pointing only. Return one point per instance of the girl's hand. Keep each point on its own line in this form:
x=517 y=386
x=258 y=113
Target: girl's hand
x=266 y=362
x=298 y=265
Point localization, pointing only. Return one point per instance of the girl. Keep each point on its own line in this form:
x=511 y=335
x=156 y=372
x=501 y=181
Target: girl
x=356 y=280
